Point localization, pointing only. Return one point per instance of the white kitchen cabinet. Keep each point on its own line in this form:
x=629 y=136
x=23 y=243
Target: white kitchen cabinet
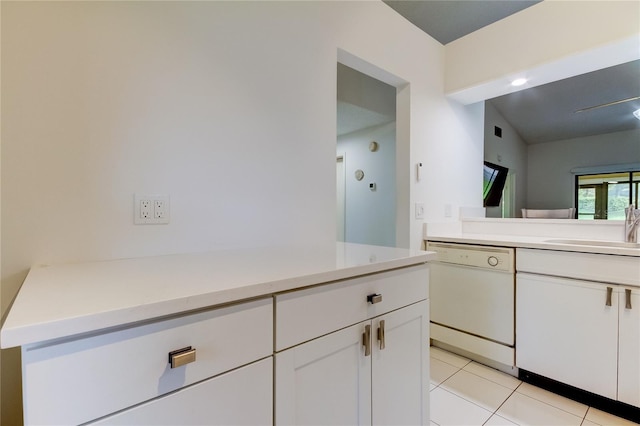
x=326 y=381
x=222 y=400
x=333 y=381
x=400 y=371
x=629 y=346
x=580 y=332
x=99 y=339
x=331 y=378
x=566 y=332
x=80 y=380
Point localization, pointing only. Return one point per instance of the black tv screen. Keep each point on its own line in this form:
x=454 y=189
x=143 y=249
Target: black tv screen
x=494 y=179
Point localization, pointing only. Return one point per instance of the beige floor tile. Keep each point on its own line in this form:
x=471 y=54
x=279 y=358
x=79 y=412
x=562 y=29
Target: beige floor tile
x=448 y=357
x=496 y=420
x=449 y=409
x=605 y=419
x=551 y=398
x=476 y=389
x=440 y=371
x=524 y=410
x=464 y=392
x=494 y=375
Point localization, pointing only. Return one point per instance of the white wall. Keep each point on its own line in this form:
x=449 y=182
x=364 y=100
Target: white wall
x=228 y=107
x=550 y=181
x=370 y=215
x=548 y=41
x=452 y=172
x=509 y=151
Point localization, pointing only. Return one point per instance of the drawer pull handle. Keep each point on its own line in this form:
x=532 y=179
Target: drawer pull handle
x=627 y=293
x=366 y=340
x=381 y=334
x=374 y=298
x=609 y=291
x=182 y=357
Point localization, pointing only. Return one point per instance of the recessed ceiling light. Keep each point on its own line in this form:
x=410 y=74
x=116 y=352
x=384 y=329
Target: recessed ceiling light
x=518 y=81
x=637 y=113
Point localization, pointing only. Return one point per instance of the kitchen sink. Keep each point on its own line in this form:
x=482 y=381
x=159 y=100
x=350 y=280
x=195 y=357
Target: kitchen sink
x=598 y=243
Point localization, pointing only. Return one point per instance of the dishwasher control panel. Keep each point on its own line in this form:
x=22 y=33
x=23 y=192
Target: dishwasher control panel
x=487 y=257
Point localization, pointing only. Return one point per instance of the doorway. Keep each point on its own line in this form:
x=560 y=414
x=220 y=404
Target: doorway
x=402 y=90
x=366 y=135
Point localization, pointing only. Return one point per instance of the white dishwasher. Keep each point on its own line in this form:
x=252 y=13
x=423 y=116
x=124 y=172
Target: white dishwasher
x=472 y=292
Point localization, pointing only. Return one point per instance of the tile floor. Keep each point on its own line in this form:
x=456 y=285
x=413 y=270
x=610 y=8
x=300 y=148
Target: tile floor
x=464 y=392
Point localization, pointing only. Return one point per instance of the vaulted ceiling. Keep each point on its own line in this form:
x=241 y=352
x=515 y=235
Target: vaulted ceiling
x=547 y=112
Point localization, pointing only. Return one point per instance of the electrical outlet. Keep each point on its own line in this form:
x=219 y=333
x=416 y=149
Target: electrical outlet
x=150 y=209
x=145 y=209
x=159 y=209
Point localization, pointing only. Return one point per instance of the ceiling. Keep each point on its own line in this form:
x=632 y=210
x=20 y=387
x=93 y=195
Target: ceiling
x=547 y=112
x=352 y=118
x=451 y=19
x=550 y=112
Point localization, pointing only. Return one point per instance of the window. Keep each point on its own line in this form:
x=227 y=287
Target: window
x=494 y=179
x=605 y=196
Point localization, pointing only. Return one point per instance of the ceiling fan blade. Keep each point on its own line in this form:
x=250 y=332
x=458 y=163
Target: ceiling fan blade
x=621 y=101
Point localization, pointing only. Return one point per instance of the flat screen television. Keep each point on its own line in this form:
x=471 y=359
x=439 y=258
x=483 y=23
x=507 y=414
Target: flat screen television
x=494 y=179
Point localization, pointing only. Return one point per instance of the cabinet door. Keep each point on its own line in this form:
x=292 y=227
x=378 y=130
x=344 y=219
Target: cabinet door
x=400 y=371
x=629 y=347
x=222 y=400
x=566 y=331
x=326 y=381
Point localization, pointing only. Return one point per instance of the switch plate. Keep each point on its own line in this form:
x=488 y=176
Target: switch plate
x=419 y=211
x=150 y=209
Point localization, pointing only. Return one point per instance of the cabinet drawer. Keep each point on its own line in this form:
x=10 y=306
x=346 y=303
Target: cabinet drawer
x=586 y=266
x=306 y=314
x=222 y=400
x=80 y=380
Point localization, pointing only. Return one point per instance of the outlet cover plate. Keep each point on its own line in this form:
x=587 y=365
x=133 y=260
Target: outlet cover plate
x=150 y=209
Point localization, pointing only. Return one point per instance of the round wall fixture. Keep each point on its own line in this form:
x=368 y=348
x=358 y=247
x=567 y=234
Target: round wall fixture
x=373 y=146
x=359 y=174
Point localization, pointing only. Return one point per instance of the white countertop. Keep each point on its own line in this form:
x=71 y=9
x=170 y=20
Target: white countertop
x=547 y=234
x=65 y=300
x=545 y=243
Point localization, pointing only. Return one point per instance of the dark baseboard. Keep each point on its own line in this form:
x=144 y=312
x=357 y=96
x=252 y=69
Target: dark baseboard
x=617 y=408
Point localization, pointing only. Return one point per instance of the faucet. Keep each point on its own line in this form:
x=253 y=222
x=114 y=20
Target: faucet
x=631 y=222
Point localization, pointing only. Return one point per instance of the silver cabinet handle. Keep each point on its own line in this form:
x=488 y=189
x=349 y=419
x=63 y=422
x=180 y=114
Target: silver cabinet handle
x=366 y=340
x=609 y=292
x=627 y=293
x=374 y=298
x=381 y=334
x=182 y=357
